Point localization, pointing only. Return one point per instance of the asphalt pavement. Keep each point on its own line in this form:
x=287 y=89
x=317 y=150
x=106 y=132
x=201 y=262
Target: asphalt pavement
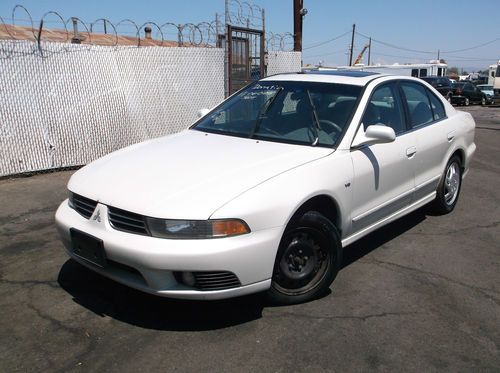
x=422 y=294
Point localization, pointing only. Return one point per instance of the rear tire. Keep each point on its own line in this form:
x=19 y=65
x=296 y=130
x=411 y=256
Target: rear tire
x=449 y=187
x=308 y=260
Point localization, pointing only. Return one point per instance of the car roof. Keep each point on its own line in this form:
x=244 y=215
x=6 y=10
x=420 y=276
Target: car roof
x=352 y=77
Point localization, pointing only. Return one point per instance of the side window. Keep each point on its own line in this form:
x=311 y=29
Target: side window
x=437 y=107
x=384 y=108
x=423 y=73
x=418 y=104
x=414 y=73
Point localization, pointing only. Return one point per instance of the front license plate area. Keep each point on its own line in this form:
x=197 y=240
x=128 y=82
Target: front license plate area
x=88 y=247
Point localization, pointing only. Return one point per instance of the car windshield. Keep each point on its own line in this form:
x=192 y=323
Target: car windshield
x=305 y=113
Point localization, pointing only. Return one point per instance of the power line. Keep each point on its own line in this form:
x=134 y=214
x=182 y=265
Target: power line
x=429 y=52
x=471 y=59
x=474 y=47
x=327 y=41
x=327 y=54
x=395 y=46
x=397 y=56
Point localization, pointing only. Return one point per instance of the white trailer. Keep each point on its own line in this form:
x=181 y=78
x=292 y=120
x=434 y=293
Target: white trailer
x=496 y=82
x=491 y=74
x=433 y=68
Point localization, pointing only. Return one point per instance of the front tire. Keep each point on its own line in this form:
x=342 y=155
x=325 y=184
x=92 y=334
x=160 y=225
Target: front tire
x=483 y=101
x=449 y=187
x=467 y=101
x=308 y=260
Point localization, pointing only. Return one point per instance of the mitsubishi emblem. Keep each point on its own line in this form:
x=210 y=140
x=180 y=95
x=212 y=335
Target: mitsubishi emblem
x=97 y=216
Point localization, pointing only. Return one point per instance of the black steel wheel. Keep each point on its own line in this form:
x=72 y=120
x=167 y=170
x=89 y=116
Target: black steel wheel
x=309 y=257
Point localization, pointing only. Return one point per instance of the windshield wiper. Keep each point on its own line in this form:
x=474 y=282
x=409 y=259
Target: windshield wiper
x=317 y=126
x=263 y=111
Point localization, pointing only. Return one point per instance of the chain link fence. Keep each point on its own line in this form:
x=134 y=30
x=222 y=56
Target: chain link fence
x=81 y=103
x=72 y=91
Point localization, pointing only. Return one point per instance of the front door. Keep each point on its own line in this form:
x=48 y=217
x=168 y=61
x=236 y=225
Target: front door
x=383 y=173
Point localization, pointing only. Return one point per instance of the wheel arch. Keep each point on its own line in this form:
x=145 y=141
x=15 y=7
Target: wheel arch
x=461 y=155
x=325 y=205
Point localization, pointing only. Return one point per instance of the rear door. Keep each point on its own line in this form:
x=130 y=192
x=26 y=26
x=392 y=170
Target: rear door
x=433 y=133
x=383 y=173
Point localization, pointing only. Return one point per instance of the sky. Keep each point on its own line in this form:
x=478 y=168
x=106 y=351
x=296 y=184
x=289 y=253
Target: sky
x=402 y=31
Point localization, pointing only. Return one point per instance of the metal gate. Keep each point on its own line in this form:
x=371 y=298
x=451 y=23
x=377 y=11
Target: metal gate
x=245 y=53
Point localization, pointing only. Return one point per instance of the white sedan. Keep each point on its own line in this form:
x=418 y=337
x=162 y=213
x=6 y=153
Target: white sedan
x=263 y=192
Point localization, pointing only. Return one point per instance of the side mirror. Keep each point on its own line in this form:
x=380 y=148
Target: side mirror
x=202 y=112
x=375 y=134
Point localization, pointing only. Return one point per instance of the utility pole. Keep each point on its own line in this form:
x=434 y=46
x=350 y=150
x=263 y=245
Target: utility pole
x=298 y=14
x=369 y=51
x=438 y=54
x=352 y=44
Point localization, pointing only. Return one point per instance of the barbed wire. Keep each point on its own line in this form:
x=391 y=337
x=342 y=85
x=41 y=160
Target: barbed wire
x=242 y=13
x=102 y=31
x=279 y=42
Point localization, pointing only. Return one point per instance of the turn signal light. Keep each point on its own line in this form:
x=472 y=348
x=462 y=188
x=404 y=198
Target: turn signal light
x=229 y=228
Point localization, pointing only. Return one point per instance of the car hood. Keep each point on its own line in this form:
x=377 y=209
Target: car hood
x=188 y=175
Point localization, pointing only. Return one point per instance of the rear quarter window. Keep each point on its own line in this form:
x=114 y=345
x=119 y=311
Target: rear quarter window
x=418 y=103
x=437 y=107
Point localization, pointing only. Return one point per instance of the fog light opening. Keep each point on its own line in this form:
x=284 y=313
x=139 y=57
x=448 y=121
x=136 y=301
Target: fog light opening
x=188 y=279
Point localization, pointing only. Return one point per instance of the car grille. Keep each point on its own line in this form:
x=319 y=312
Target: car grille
x=83 y=205
x=127 y=221
x=215 y=280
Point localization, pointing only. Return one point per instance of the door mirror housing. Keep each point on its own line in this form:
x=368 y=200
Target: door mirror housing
x=202 y=112
x=375 y=134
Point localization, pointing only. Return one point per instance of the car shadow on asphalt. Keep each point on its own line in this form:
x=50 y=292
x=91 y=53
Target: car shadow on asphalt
x=105 y=297
x=374 y=240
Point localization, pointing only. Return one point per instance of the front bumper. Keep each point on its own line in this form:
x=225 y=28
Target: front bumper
x=147 y=263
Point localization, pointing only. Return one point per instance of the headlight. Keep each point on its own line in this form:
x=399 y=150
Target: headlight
x=196 y=229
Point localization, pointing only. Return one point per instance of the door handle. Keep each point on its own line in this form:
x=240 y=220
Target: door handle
x=410 y=152
x=451 y=136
